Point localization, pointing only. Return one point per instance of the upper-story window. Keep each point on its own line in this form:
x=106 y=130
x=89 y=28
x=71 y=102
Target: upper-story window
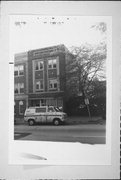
x=39 y=86
x=16 y=89
x=19 y=70
x=19 y=88
x=53 y=84
x=39 y=65
x=52 y=64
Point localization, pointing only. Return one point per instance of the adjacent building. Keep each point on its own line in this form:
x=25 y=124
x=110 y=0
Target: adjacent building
x=39 y=78
x=20 y=83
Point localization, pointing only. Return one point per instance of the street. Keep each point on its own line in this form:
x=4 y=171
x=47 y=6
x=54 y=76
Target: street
x=83 y=133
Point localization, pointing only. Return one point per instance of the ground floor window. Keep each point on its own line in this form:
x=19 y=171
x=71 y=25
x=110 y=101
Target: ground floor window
x=57 y=102
x=42 y=102
x=51 y=102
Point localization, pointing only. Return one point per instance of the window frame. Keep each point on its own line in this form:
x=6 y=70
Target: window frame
x=18 y=85
x=21 y=70
x=21 y=86
x=40 y=89
x=18 y=67
x=52 y=64
x=38 y=62
x=53 y=88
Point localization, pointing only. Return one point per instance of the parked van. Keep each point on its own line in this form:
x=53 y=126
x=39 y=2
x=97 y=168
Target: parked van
x=44 y=114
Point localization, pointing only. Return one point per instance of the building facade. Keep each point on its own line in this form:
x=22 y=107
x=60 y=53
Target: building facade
x=40 y=78
x=20 y=83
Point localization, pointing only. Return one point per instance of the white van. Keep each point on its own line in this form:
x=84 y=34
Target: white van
x=44 y=114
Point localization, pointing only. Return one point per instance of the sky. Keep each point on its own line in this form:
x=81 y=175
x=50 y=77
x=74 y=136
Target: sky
x=34 y=31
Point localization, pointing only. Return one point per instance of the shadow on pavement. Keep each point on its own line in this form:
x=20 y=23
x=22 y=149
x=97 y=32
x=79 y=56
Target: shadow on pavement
x=19 y=135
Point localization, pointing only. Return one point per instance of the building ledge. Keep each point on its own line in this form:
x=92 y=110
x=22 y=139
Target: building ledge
x=46 y=94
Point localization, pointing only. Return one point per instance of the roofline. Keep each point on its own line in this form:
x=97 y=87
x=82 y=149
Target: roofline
x=25 y=53
x=48 y=47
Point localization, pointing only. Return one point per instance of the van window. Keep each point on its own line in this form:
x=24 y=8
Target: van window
x=38 y=110
x=30 y=110
x=50 y=109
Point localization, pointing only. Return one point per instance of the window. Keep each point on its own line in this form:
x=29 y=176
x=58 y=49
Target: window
x=19 y=88
x=43 y=102
x=39 y=85
x=16 y=89
x=39 y=65
x=50 y=109
x=16 y=71
x=51 y=102
x=53 y=84
x=38 y=110
x=52 y=64
x=19 y=70
x=36 y=66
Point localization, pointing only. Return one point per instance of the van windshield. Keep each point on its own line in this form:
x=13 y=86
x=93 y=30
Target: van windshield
x=57 y=109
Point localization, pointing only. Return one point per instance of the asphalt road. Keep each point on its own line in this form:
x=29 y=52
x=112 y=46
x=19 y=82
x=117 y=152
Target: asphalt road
x=83 y=133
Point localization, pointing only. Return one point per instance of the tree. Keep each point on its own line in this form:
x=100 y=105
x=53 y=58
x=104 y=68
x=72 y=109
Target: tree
x=85 y=69
x=85 y=65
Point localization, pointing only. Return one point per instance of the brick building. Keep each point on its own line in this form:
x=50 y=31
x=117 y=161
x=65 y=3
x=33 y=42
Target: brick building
x=20 y=83
x=40 y=78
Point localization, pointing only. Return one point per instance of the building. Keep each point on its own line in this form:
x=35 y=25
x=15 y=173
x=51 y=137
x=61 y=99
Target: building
x=20 y=83
x=40 y=78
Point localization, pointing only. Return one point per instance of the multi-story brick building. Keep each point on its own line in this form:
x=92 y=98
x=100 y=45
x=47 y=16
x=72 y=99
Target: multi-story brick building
x=40 y=78
x=20 y=83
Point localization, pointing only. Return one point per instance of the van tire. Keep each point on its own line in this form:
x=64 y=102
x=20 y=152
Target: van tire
x=31 y=122
x=56 y=122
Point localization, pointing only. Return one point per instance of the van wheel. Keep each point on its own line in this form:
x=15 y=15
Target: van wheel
x=56 y=122
x=31 y=122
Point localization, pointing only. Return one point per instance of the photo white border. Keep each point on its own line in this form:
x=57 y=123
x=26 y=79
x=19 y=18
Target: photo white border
x=72 y=8
x=58 y=153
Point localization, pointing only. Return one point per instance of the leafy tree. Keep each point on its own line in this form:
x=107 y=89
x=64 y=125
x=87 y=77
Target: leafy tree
x=85 y=74
x=86 y=64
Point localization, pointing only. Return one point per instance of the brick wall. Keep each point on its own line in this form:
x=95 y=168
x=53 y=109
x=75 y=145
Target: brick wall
x=19 y=111
x=51 y=73
x=21 y=79
x=28 y=59
x=62 y=71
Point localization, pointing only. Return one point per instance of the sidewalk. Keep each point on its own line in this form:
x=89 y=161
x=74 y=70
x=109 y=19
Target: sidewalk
x=86 y=120
x=19 y=121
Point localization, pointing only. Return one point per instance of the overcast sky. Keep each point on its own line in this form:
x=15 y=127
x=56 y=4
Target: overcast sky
x=33 y=32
